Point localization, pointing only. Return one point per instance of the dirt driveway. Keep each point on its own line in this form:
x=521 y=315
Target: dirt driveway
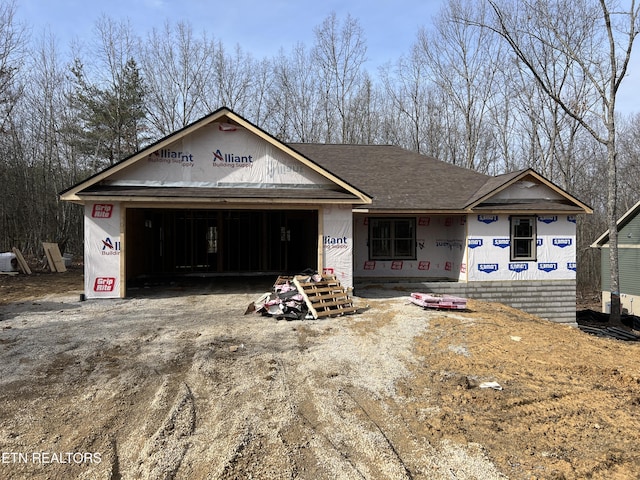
x=179 y=383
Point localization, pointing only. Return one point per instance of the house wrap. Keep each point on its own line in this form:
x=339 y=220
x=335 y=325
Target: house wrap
x=223 y=197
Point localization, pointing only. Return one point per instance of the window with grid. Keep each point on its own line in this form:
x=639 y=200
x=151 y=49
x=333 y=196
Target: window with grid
x=523 y=238
x=392 y=238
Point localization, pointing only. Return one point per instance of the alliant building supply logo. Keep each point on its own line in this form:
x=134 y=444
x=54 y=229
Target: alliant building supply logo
x=104 y=284
x=450 y=244
x=102 y=210
x=110 y=247
x=231 y=160
x=330 y=241
x=166 y=155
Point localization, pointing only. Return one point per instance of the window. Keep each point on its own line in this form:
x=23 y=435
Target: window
x=523 y=238
x=392 y=238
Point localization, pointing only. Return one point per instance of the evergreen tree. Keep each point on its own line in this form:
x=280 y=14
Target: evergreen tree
x=109 y=123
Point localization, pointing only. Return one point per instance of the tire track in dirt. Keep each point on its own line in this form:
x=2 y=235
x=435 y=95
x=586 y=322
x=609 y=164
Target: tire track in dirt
x=163 y=452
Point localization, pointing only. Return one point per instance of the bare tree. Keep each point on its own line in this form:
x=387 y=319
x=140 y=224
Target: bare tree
x=563 y=43
x=12 y=49
x=295 y=97
x=109 y=96
x=233 y=82
x=340 y=52
x=629 y=161
x=408 y=90
x=178 y=69
x=464 y=61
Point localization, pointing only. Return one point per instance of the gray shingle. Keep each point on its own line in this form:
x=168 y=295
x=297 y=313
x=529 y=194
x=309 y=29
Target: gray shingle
x=396 y=178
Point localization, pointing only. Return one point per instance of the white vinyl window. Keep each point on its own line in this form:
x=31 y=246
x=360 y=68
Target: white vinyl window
x=392 y=238
x=523 y=238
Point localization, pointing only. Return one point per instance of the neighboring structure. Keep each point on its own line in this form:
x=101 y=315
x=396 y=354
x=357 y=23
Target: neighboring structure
x=223 y=197
x=628 y=262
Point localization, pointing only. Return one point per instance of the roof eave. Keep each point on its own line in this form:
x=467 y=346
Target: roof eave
x=603 y=239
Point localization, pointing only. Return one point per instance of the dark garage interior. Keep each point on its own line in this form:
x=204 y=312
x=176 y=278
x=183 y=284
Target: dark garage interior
x=171 y=242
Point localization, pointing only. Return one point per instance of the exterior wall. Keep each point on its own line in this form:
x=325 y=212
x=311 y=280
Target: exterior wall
x=629 y=265
x=488 y=250
x=553 y=300
x=337 y=243
x=102 y=250
x=629 y=235
x=630 y=303
x=439 y=251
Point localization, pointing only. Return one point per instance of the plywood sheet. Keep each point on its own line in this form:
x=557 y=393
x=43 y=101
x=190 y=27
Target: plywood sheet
x=56 y=262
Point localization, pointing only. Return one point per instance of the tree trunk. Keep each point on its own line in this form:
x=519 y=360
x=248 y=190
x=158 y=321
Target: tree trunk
x=612 y=198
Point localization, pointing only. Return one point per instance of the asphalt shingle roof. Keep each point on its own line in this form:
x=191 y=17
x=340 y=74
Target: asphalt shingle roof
x=396 y=178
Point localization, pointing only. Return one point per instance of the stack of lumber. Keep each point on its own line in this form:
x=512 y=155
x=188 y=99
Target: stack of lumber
x=54 y=258
x=447 y=302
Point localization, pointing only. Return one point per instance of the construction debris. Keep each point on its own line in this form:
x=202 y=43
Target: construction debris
x=304 y=297
x=597 y=323
x=446 y=302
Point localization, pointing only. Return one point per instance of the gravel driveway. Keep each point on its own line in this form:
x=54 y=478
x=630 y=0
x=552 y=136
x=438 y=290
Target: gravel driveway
x=182 y=384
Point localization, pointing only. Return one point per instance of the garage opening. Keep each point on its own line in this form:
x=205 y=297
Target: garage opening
x=220 y=242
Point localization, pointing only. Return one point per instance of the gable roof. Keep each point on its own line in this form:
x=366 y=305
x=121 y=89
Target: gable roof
x=622 y=221
x=92 y=187
x=377 y=178
x=558 y=201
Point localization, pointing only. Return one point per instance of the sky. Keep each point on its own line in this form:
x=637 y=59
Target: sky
x=259 y=27
x=262 y=28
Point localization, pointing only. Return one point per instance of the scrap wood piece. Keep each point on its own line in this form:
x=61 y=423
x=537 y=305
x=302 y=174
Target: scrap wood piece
x=326 y=297
x=22 y=264
x=282 y=280
x=56 y=263
x=449 y=302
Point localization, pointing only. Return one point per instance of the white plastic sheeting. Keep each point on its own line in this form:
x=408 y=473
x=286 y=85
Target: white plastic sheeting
x=337 y=243
x=440 y=248
x=102 y=250
x=219 y=155
x=488 y=249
